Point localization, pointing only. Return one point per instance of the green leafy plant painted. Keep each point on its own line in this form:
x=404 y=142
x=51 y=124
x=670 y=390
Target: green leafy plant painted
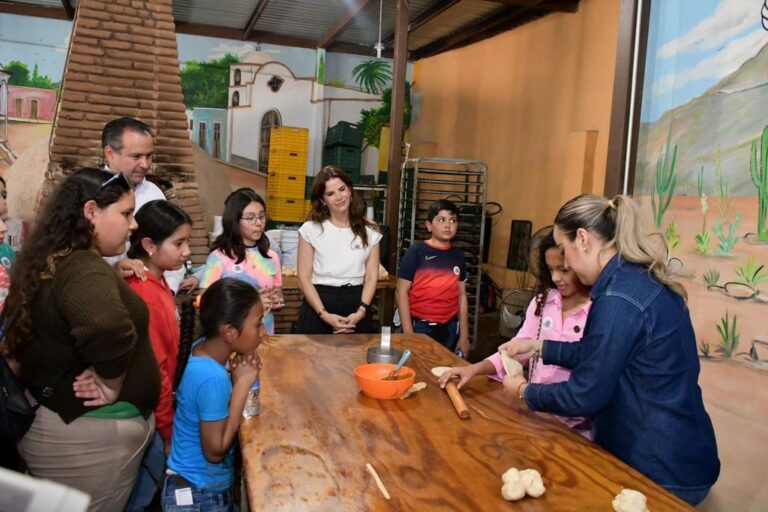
x=371 y=120
x=758 y=168
x=727 y=241
x=729 y=337
x=206 y=84
x=725 y=204
x=664 y=187
x=711 y=277
x=672 y=236
x=703 y=237
x=751 y=273
x=336 y=82
x=705 y=349
x=373 y=76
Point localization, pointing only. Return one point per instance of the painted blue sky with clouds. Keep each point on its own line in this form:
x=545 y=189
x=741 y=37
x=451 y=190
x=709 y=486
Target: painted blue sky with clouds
x=693 y=44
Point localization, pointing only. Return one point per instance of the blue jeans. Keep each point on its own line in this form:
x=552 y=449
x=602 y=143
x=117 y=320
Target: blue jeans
x=150 y=475
x=446 y=334
x=203 y=501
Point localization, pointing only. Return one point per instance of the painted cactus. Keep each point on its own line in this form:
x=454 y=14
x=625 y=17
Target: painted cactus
x=758 y=167
x=666 y=179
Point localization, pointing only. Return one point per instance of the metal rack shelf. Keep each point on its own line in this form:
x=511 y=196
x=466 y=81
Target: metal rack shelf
x=425 y=180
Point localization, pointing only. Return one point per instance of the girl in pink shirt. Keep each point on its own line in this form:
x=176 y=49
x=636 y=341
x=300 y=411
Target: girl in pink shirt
x=557 y=312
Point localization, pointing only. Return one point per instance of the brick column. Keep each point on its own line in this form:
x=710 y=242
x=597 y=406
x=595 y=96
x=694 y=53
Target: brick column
x=123 y=61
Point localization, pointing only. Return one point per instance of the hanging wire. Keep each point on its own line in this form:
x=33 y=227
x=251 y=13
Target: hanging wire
x=379 y=46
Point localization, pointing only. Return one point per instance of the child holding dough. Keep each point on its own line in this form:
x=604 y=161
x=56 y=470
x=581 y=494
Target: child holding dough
x=558 y=311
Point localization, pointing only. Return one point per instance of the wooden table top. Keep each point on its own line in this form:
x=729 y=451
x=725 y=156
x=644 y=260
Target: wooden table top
x=308 y=448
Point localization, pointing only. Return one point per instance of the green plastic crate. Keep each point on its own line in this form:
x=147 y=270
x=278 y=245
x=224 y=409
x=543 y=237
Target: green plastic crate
x=344 y=134
x=308 y=186
x=347 y=158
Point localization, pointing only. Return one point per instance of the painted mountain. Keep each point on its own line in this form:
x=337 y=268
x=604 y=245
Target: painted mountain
x=730 y=114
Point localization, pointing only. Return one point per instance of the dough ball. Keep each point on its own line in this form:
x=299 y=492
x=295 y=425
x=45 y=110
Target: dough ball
x=438 y=371
x=513 y=491
x=511 y=475
x=534 y=485
x=511 y=365
x=418 y=386
x=630 y=500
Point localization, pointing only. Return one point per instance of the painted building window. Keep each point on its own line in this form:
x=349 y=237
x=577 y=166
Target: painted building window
x=270 y=120
x=238 y=77
x=18 y=109
x=191 y=124
x=35 y=110
x=216 y=140
x=201 y=138
x=236 y=99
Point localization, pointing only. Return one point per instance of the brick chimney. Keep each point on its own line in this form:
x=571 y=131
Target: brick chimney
x=123 y=61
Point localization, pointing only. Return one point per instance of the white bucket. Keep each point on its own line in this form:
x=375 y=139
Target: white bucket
x=289 y=245
x=218 y=227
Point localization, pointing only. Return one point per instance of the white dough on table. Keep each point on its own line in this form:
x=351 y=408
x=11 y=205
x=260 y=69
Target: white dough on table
x=513 y=491
x=517 y=483
x=438 y=371
x=630 y=500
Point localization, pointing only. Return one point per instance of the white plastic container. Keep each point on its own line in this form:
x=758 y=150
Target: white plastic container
x=289 y=245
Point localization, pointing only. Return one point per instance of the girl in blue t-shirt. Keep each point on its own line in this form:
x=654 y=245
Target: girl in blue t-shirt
x=211 y=396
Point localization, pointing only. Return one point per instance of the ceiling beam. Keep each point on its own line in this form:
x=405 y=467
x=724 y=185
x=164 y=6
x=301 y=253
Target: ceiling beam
x=341 y=24
x=431 y=13
x=255 y=15
x=68 y=8
x=490 y=26
x=547 y=5
x=37 y=11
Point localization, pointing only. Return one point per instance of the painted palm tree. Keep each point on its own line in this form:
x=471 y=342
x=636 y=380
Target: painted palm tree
x=373 y=76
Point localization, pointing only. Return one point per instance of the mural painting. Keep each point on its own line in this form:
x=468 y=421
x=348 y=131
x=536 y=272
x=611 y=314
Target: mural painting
x=701 y=176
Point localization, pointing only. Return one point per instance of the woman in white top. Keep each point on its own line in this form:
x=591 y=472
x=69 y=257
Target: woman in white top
x=338 y=259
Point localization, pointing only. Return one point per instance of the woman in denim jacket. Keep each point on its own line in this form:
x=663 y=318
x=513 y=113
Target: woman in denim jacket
x=635 y=372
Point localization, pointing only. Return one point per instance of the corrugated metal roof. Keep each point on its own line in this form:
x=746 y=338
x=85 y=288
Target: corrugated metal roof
x=306 y=21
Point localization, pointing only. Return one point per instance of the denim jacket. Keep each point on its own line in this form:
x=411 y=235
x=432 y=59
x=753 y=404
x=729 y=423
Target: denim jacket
x=635 y=373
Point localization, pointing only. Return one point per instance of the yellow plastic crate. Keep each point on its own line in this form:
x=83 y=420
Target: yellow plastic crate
x=287 y=162
x=289 y=138
x=307 y=207
x=285 y=209
x=286 y=185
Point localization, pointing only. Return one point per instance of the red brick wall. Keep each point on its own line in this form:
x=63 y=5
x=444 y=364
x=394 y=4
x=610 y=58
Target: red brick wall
x=123 y=61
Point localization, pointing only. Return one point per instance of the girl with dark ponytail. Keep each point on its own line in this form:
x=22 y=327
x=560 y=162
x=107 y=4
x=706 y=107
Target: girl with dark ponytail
x=636 y=369
x=558 y=311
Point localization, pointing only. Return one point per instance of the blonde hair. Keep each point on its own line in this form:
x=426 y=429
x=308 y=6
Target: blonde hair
x=617 y=222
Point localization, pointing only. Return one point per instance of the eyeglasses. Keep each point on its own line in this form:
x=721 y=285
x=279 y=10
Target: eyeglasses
x=119 y=180
x=252 y=219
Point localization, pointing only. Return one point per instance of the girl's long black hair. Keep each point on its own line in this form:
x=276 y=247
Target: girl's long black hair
x=230 y=242
x=60 y=228
x=540 y=244
x=157 y=220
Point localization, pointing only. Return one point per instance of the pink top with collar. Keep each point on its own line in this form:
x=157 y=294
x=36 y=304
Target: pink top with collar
x=552 y=328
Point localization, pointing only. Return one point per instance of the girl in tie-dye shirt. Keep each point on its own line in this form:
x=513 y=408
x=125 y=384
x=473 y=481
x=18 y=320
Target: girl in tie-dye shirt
x=242 y=251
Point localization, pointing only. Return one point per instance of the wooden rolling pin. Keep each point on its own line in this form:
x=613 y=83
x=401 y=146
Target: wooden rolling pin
x=458 y=403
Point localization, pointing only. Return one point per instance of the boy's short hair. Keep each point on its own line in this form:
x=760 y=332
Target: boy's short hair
x=442 y=204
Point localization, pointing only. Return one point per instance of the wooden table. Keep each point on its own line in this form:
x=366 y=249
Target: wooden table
x=308 y=448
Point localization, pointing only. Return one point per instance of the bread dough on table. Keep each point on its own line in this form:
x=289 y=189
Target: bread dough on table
x=629 y=500
x=517 y=483
x=513 y=491
x=438 y=371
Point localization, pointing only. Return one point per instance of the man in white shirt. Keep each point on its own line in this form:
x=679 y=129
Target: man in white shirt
x=128 y=147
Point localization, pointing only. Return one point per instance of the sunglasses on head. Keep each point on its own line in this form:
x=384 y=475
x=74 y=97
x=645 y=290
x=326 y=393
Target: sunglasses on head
x=119 y=180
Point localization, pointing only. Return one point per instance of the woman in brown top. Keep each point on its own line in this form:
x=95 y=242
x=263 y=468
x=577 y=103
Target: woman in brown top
x=69 y=311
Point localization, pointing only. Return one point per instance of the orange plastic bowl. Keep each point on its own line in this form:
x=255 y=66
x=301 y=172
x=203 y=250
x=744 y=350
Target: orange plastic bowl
x=370 y=380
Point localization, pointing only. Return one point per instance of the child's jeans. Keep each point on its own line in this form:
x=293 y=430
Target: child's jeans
x=150 y=476
x=446 y=334
x=203 y=501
